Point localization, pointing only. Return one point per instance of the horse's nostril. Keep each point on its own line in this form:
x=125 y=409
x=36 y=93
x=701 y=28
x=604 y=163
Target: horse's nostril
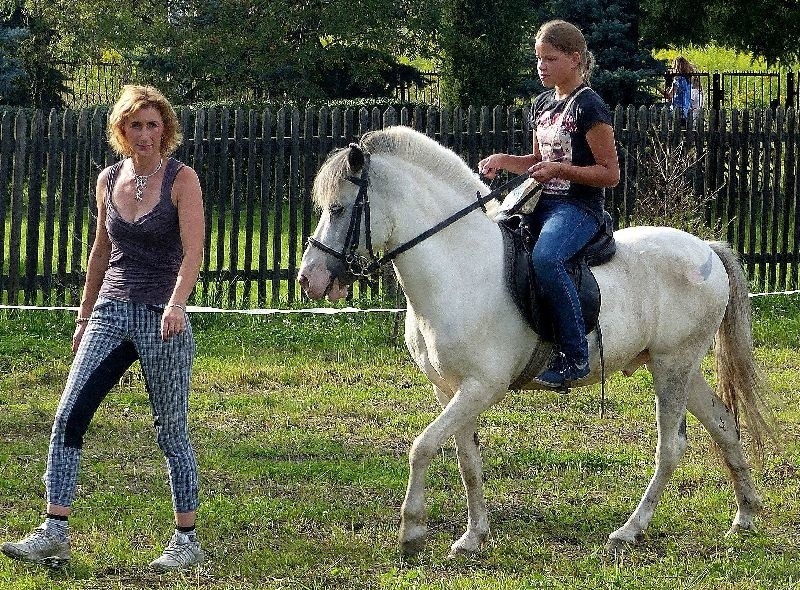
x=303 y=280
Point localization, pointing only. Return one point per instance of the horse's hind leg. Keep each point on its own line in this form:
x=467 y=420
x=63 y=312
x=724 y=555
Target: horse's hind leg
x=707 y=407
x=670 y=384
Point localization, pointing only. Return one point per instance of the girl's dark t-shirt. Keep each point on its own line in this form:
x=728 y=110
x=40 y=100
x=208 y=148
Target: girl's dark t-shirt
x=562 y=138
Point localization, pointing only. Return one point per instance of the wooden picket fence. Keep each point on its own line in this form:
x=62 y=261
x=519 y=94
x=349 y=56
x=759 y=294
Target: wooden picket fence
x=257 y=167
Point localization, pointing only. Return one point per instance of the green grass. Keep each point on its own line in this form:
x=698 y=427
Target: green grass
x=302 y=426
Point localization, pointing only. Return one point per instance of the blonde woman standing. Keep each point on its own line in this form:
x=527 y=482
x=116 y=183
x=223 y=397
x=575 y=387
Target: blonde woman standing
x=141 y=270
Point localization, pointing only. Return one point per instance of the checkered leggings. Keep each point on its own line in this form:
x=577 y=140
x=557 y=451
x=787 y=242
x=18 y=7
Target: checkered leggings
x=119 y=333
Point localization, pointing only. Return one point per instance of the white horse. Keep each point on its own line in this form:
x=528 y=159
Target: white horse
x=665 y=296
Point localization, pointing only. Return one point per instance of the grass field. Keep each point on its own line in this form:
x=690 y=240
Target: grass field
x=302 y=426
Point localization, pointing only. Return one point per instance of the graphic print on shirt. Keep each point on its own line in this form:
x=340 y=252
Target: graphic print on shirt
x=553 y=132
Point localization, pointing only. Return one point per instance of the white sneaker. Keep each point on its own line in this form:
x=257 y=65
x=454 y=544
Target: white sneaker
x=182 y=551
x=40 y=547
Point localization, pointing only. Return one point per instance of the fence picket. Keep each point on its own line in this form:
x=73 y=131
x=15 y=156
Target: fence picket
x=310 y=158
x=53 y=179
x=792 y=184
x=250 y=203
x=236 y=203
x=294 y=204
x=6 y=166
x=209 y=197
x=744 y=203
x=765 y=205
x=266 y=191
x=225 y=280
x=34 y=207
x=17 y=206
x=67 y=195
x=280 y=191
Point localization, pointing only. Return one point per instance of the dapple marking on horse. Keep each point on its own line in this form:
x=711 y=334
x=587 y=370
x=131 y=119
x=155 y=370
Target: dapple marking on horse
x=666 y=297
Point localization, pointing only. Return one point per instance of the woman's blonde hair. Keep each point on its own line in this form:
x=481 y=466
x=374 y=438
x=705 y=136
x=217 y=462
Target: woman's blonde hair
x=132 y=99
x=567 y=38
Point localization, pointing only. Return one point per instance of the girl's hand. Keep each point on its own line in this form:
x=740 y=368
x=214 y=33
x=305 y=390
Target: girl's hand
x=491 y=165
x=173 y=321
x=543 y=172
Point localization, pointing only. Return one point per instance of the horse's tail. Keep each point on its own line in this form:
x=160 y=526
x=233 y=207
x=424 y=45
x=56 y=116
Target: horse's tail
x=739 y=384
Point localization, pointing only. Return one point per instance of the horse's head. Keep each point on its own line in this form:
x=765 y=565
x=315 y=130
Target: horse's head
x=376 y=195
x=341 y=249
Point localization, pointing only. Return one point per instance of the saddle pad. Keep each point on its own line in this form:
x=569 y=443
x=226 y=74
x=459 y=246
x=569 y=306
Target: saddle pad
x=519 y=281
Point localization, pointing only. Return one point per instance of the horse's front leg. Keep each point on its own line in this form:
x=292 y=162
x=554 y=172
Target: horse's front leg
x=471 y=467
x=459 y=416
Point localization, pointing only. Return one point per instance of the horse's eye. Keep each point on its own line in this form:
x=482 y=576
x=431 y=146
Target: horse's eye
x=335 y=209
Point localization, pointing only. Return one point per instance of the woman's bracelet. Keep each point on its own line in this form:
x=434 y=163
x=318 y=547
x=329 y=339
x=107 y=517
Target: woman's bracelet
x=178 y=305
x=80 y=320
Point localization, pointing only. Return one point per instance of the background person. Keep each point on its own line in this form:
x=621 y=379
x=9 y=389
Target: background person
x=141 y=270
x=574 y=157
x=679 y=92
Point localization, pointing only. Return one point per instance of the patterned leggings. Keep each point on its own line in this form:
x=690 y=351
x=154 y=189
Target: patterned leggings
x=119 y=333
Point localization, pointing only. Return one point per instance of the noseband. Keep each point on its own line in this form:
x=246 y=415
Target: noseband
x=363 y=267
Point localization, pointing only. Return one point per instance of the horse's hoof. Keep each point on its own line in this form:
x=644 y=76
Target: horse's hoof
x=615 y=549
x=617 y=546
x=737 y=530
x=458 y=550
x=412 y=547
x=470 y=543
x=412 y=538
x=459 y=553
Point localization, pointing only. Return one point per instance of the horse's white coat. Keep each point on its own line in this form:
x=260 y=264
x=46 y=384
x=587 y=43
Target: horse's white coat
x=664 y=296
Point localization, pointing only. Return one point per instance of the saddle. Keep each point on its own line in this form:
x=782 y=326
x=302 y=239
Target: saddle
x=518 y=242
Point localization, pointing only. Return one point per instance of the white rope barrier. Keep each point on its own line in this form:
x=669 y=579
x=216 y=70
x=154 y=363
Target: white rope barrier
x=199 y=309
x=774 y=293
x=308 y=310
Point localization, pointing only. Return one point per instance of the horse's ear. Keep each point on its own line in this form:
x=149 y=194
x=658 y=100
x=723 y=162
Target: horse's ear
x=355 y=157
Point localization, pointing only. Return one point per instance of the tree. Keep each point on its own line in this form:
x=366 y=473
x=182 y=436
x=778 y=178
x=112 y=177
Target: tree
x=625 y=68
x=206 y=49
x=763 y=28
x=482 y=51
x=32 y=78
x=12 y=72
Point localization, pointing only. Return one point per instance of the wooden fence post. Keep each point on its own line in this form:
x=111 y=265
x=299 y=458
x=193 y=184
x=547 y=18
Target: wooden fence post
x=17 y=207
x=716 y=91
x=6 y=168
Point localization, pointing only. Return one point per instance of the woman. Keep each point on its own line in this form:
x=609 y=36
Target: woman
x=142 y=268
x=574 y=157
x=679 y=92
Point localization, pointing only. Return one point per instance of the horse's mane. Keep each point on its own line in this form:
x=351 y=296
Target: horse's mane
x=404 y=142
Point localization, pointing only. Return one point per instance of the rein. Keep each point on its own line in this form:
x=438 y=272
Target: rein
x=362 y=267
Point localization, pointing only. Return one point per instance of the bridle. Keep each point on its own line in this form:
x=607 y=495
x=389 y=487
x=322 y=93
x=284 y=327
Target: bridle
x=363 y=267
x=358 y=266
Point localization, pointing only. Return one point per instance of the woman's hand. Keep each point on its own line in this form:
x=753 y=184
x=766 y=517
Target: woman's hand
x=173 y=321
x=80 y=328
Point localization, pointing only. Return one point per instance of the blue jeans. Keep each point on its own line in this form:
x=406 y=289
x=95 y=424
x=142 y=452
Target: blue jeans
x=564 y=228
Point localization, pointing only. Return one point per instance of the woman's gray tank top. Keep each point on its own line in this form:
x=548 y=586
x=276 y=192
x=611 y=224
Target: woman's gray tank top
x=147 y=253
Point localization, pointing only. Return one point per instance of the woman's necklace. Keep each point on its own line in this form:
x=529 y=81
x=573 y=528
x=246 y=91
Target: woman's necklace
x=141 y=180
